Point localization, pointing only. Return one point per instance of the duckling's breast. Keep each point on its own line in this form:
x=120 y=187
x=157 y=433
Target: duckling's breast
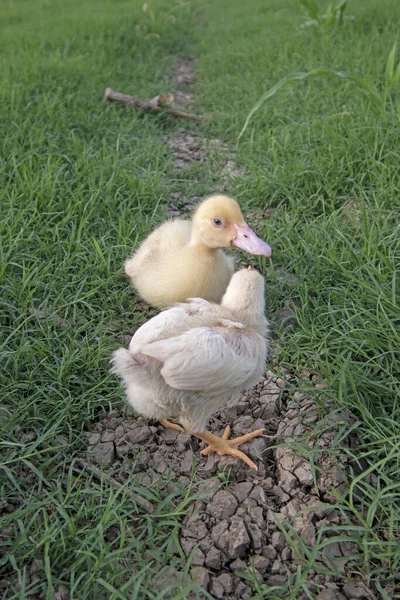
x=171 y=270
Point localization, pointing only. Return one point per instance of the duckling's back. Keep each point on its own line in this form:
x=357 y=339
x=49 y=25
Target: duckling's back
x=167 y=269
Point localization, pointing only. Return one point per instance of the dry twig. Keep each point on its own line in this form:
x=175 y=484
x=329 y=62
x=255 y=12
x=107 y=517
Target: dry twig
x=138 y=103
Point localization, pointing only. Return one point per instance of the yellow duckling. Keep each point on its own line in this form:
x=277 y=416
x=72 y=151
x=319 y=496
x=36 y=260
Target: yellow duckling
x=183 y=259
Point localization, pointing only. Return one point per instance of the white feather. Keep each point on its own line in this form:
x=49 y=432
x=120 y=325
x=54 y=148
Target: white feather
x=198 y=357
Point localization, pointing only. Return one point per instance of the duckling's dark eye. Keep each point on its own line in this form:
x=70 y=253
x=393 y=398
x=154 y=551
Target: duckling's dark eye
x=217 y=222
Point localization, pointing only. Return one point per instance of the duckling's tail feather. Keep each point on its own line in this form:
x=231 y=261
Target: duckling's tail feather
x=123 y=362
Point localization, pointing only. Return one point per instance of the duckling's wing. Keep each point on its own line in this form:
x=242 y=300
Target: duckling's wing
x=157 y=326
x=203 y=359
x=167 y=320
x=196 y=305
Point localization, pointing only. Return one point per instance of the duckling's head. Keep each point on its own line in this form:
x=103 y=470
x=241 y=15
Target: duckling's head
x=245 y=293
x=218 y=223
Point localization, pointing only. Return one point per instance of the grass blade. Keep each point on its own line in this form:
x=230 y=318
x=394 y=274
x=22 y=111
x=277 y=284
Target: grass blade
x=390 y=66
x=320 y=71
x=312 y=7
x=341 y=7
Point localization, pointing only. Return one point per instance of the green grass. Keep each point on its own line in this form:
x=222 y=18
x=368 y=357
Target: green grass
x=82 y=182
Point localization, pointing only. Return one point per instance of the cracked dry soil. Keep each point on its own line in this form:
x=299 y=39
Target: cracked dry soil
x=235 y=527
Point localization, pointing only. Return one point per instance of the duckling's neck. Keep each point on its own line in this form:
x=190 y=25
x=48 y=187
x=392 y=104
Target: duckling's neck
x=197 y=245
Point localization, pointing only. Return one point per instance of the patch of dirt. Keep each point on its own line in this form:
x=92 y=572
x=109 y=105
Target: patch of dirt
x=181 y=206
x=259 y=216
x=236 y=527
x=184 y=71
x=183 y=76
x=188 y=147
x=352 y=211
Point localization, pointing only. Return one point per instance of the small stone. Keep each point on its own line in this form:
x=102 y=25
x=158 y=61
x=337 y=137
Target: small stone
x=143 y=459
x=93 y=438
x=304 y=475
x=279 y=493
x=255 y=536
x=119 y=432
x=230 y=414
x=220 y=536
x=278 y=541
x=197 y=558
x=103 y=454
x=227 y=582
x=269 y=552
x=243 y=424
x=28 y=437
x=257 y=448
x=170 y=435
x=276 y=580
x=330 y=594
x=187 y=545
x=218 y=530
x=243 y=591
x=332 y=550
x=239 y=539
x=270 y=389
x=201 y=576
x=238 y=565
x=258 y=495
x=61 y=440
x=261 y=563
x=123 y=450
x=352 y=591
x=286 y=554
x=348 y=548
x=268 y=483
x=276 y=567
x=213 y=559
x=5 y=534
x=36 y=570
x=241 y=407
x=195 y=528
x=242 y=490
x=186 y=463
x=217 y=589
x=159 y=463
x=166 y=577
x=266 y=411
x=224 y=505
x=257 y=517
x=207 y=489
x=258 y=576
x=308 y=535
x=212 y=460
x=61 y=594
x=205 y=545
x=108 y=436
x=138 y=434
x=249 y=502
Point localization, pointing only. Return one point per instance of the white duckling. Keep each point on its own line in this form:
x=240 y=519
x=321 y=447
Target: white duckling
x=183 y=259
x=196 y=358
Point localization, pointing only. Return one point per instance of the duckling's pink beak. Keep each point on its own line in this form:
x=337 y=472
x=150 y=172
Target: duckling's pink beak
x=247 y=240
